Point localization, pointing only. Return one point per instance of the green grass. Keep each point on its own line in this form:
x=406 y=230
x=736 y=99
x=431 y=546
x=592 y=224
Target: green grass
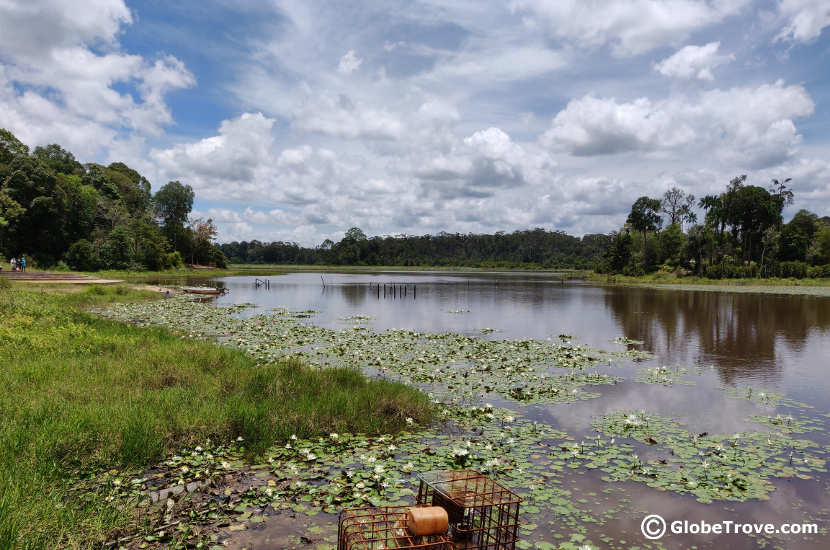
x=81 y=395
x=670 y=278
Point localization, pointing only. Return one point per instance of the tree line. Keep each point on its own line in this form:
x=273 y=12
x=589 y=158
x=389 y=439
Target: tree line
x=742 y=235
x=59 y=212
x=530 y=248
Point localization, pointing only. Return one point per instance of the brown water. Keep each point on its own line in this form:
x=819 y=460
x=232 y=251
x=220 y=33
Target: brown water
x=780 y=343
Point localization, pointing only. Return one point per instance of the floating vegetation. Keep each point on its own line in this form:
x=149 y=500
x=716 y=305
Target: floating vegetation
x=711 y=467
x=305 y=314
x=459 y=368
x=763 y=397
x=665 y=376
x=357 y=319
x=625 y=341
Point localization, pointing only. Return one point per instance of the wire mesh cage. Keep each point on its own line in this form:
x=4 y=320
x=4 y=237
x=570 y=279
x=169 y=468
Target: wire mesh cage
x=483 y=514
x=382 y=527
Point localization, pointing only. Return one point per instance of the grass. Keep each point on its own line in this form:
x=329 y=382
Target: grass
x=670 y=278
x=82 y=395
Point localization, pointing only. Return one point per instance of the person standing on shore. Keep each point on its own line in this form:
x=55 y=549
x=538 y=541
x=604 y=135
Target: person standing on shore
x=23 y=264
x=13 y=263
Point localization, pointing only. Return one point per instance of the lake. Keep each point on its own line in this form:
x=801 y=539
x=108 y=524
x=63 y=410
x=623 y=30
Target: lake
x=728 y=350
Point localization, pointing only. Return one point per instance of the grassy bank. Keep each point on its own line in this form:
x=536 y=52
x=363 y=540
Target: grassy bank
x=813 y=287
x=82 y=394
x=669 y=278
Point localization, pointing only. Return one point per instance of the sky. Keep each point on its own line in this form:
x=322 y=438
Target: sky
x=296 y=120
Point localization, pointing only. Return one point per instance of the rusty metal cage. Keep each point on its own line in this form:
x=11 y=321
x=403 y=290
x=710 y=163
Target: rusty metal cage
x=483 y=514
x=382 y=527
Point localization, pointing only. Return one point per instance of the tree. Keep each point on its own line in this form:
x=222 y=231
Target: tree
x=645 y=217
x=173 y=204
x=58 y=159
x=782 y=195
x=204 y=233
x=82 y=256
x=678 y=206
x=10 y=147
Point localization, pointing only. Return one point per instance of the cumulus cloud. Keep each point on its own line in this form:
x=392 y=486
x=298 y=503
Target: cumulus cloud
x=630 y=27
x=349 y=63
x=803 y=19
x=226 y=164
x=694 y=62
x=59 y=65
x=751 y=125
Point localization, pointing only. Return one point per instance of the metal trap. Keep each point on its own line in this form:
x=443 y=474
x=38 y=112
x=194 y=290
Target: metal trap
x=483 y=514
x=382 y=527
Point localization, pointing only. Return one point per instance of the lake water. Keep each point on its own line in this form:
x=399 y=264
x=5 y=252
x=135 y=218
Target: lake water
x=777 y=343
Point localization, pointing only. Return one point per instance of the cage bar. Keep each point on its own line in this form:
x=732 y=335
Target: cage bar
x=483 y=514
x=381 y=528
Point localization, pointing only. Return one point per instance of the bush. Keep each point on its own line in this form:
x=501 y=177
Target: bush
x=172 y=260
x=796 y=270
x=819 y=271
x=82 y=256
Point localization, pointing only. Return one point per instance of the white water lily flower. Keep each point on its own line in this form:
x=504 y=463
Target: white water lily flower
x=240 y=438
x=334 y=435
x=360 y=485
x=185 y=469
x=288 y=445
x=509 y=419
x=226 y=465
x=408 y=467
x=460 y=452
x=379 y=469
x=410 y=420
x=294 y=437
x=198 y=449
x=391 y=448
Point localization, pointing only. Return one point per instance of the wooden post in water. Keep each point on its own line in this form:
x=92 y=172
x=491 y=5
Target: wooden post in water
x=414 y=291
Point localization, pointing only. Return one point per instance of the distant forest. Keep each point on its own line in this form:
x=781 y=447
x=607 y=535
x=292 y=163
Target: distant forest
x=742 y=235
x=532 y=248
x=60 y=213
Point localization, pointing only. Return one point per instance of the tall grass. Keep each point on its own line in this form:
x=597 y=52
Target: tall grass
x=81 y=394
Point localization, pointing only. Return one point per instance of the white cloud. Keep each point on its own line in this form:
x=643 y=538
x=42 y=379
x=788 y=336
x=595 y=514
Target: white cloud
x=803 y=19
x=750 y=125
x=630 y=27
x=694 y=62
x=59 y=64
x=349 y=63
x=223 y=165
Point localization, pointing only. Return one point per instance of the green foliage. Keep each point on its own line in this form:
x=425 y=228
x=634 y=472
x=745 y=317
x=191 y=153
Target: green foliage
x=83 y=395
x=743 y=236
x=49 y=203
x=58 y=159
x=82 y=256
x=533 y=249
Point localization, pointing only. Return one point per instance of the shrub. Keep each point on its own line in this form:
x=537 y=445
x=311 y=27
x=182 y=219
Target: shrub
x=82 y=256
x=796 y=270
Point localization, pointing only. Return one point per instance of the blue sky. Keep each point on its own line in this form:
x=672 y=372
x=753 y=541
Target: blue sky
x=295 y=120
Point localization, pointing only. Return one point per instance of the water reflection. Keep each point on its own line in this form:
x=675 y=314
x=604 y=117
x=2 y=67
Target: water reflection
x=743 y=335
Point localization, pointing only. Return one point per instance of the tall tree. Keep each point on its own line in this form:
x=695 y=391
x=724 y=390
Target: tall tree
x=678 y=206
x=645 y=216
x=173 y=204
